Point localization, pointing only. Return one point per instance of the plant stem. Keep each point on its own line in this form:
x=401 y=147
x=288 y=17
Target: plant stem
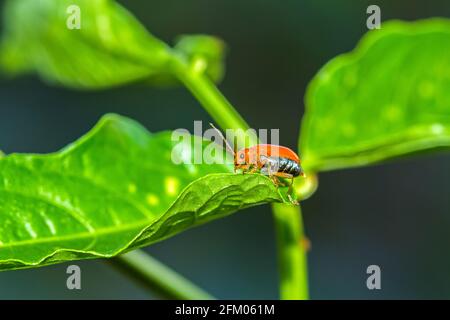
x=212 y=100
x=158 y=277
x=288 y=223
x=291 y=252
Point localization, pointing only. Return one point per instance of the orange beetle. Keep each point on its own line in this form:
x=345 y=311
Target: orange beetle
x=272 y=160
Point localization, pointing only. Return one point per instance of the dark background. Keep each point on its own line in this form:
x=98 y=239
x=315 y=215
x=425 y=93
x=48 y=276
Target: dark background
x=395 y=215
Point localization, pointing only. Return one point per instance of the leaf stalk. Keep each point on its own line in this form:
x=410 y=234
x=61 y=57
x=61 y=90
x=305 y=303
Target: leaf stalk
x=157 y=277
x=288 y=221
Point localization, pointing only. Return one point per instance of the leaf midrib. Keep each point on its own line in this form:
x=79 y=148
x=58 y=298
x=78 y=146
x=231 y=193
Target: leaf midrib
x=83 y=235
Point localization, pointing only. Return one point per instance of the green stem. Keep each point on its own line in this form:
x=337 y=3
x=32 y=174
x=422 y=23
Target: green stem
x=158 y=277
x=292 y=257
x=291 y=252
x=212 y=100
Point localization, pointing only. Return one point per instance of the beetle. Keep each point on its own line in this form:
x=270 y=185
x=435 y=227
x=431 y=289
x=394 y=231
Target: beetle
x=271 y=160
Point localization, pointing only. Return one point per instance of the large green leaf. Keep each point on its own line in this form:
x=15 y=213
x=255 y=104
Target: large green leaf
x=113 y=190
x=110 y=48
x=388 y=98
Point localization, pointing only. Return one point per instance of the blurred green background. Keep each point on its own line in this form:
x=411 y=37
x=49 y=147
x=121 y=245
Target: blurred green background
x=395 y=215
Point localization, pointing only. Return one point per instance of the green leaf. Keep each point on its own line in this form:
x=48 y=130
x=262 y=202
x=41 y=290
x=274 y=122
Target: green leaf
x=110 y=48
x=113 y=190
x=388 y=98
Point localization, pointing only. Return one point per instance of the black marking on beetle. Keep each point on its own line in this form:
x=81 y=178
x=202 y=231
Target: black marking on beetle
x=285 y=165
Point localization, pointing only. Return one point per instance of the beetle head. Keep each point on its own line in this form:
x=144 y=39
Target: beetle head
x=241 y=157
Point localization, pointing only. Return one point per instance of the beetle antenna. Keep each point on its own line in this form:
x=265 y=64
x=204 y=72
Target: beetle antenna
x=227 y=145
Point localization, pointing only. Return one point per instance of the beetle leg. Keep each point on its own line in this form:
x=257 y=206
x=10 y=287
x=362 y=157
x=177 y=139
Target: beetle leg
x=253 y=168
x=264 y=164
x=287 y=176
x=275 y=180
x=289 y=192
x=290 y=185
x=244 y=168
x=295 y=202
